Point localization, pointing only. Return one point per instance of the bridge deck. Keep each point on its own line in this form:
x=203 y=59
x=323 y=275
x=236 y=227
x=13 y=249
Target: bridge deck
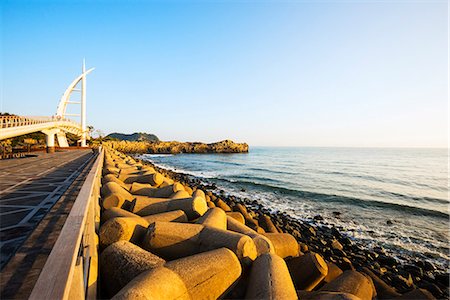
x=31 y=215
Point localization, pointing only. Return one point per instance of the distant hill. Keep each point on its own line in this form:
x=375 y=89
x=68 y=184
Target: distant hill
x=137 y=137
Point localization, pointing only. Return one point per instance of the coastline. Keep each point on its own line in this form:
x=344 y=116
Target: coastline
x=328 y=241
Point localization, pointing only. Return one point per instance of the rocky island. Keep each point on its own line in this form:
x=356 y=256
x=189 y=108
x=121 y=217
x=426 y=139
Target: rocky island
x=174 y=147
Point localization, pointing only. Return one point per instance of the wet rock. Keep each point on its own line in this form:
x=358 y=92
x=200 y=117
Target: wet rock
x=401 y=283
x=335 y=232
x=380 y=250
x=443 y=278
x=336 y=245
x=428 y=266
x=312 y=231
x=346 y=241
x=318 y=218
x=387 y=260
x=415 y=270
x=345 y=264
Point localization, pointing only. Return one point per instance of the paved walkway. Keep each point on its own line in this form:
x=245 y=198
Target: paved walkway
x=31 y=216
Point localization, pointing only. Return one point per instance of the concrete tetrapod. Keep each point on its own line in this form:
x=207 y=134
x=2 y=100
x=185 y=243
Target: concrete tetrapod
x=305 y=295
x=266 y=223
x=180 y=195
x=127 y=172
x=203 y=276
x=263 y=244
x=145 y=189
x=270 y=279
x=124 y=174
x=208 y=275
x=188 y=189
x=116 y=212
x=417 y=294
x=141 y=189
x=236 y=215
x=155 y=284
x=214 y=217
x=193 y=207
x=148 y=169
x=114 y=195
x=249 y=221
x=155 y=179
x=199 y=193
x=307 y=271
x=285 y=244
x=333 y=272
x=170 y=216
x=125 y=166
x=123 y=228
x=111 y=177
x=220 y=203
x=122 y=261
x=384 y=291
x=242 y=245
x=176 y=240
x=166 y=182
x=110 y=170
x=351 y=282
x=172 y=240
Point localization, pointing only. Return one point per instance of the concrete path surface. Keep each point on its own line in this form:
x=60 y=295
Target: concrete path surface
x=36 y=195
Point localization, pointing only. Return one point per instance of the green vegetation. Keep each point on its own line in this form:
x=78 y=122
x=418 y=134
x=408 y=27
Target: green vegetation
x=134 y=137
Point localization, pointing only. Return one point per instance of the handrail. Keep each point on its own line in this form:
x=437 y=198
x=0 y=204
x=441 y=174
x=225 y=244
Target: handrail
x=71 y=268
x=16 y=121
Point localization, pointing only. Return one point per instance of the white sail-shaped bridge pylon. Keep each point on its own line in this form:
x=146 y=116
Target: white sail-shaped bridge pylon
x=59 y=124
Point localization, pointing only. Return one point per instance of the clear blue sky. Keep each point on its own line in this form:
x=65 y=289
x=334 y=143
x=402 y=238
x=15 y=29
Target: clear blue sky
x=292 y=73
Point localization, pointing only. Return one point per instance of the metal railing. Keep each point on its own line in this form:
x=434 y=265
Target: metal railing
x=71 y=270
x=16 y=121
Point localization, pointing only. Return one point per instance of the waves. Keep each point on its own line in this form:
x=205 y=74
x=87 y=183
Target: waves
x=330 y=198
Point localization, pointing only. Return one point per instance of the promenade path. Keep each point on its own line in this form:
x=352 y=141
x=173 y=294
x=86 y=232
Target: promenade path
x=36 y=195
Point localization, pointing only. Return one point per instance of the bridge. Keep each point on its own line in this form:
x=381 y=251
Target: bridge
x=57 y=125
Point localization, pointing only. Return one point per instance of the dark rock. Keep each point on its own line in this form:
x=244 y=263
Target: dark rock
x=339 y=253
x=318 y=218
x=415 y=270
x=336 y=245
x=312 y=231
x=443 y=278
x=387 y=260
x=401 y=283
x=336 y=233
x=345 y=264
x=428 y=266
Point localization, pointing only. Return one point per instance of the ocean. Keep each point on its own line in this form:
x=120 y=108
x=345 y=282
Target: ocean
x=395 y=198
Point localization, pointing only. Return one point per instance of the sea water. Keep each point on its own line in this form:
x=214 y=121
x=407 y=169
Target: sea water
x=395 y=198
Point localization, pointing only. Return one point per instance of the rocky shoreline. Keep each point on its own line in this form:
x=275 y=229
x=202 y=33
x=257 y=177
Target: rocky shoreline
x=174 y=147
x=336 y=247
x=169 y=235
